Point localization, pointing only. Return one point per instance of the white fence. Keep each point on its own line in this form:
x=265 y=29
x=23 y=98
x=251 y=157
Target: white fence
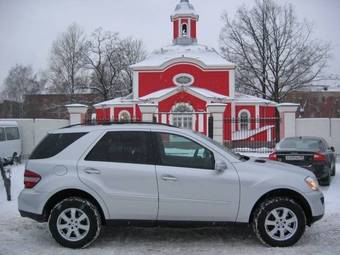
x=323 y=127
x=34 y=130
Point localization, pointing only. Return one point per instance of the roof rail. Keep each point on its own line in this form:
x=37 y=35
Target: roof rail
x=104 y=123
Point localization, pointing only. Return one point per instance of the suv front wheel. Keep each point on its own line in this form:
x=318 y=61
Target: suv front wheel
x=74 y=222
x=279 y=222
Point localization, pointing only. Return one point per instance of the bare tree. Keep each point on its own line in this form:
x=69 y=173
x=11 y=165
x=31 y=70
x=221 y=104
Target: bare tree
x=103 y=59
x=274 y=51
x=133 y=52
x=109 y=58
x=22 y=80
x=66 y=63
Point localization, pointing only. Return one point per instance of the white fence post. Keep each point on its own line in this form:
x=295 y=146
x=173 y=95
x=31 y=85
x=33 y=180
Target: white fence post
x=77 y=113
x=148 y=111
x=217 y=111
x=288 y=119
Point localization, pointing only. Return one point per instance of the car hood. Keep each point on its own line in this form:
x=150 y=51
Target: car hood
x=266 y=165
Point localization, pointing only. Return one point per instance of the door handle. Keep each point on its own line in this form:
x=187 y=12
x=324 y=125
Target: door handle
x=92 y=171
x=169 y=178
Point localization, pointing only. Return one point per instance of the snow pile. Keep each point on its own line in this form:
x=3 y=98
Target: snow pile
x=21 y=236
x=204 y=54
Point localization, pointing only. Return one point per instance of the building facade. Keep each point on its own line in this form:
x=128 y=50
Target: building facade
x=186 y=84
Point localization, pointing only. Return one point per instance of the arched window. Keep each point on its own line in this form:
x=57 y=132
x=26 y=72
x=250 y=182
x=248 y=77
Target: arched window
x=244 y=120
x=184 y=29
x=182 y=115
x=124 y=116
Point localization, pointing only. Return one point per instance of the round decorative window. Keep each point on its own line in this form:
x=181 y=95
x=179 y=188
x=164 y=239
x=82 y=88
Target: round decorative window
x=124 y=116
x=183 y=79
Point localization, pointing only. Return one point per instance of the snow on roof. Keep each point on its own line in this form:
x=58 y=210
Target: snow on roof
x=184 y=8
x=158 y=94
x=202 y=92
x=8 y=123
x=127 y=100
x=243 y=98
x=241 y=135
x=76 y=105
x=197 y=53
x=208 y=93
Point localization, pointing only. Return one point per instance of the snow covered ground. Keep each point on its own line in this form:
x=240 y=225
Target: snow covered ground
x=20 y=236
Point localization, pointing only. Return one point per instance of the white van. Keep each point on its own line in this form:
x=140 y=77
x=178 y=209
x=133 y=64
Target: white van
x=10 y=139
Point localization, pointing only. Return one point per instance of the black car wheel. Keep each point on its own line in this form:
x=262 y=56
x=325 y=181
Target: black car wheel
x=75 y=223
x=334 y=169
x=279 y=222
x=326 y=180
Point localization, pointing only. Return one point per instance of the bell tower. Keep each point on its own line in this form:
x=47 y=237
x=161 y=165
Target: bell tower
x=184 y=20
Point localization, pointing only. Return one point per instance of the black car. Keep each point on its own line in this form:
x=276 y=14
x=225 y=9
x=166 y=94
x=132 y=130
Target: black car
x=312 y=153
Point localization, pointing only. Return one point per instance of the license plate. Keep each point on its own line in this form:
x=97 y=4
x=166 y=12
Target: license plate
x=295 y=158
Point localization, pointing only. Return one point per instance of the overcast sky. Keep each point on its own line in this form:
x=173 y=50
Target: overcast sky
x=28 y=27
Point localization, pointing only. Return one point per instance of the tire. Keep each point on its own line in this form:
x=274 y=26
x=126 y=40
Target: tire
x=268 y=228
x=327 y=180
x=334 y=169
x=73 y=233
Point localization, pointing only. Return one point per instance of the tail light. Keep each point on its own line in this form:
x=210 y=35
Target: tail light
x=319 y=157
x=273 y=156
x=31 y=179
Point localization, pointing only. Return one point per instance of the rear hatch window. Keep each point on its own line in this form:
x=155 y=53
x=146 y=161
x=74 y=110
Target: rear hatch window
x=52 y=144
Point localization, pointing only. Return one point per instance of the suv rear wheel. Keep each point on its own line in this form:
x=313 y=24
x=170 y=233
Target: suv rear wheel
x=279 y=222
x=75 y=222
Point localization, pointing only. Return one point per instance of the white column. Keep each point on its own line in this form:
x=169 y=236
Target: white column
x=201 y=122
x=217 y=111
x=77 y=113
x=135 y=84
x=257 y=116
x=148 y=111
x=232 y=83
x=288 y=119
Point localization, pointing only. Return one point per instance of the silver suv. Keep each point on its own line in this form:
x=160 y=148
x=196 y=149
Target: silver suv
x=80 y=178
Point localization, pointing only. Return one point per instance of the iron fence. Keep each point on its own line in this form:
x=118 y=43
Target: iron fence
x=258 y=135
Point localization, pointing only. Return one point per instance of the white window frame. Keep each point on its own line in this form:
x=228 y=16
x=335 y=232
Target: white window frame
x=178 y=117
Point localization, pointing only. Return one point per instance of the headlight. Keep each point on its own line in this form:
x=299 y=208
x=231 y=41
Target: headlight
x=312 y=183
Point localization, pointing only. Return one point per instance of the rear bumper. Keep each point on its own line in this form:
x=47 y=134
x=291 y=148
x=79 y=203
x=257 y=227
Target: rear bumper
x=31 y=203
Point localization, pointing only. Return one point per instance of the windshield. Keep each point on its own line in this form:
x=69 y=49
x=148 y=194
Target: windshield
x=230 y=152
x=311 y=144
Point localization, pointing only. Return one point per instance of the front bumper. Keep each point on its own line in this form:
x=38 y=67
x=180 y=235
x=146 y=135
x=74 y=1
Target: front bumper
x=317 y=204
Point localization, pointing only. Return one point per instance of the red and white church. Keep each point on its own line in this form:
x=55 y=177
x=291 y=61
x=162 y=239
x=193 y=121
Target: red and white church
x=185 y=83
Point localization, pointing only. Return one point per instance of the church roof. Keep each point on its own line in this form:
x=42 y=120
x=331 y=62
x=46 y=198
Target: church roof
x=203 y=55
x=184 y=8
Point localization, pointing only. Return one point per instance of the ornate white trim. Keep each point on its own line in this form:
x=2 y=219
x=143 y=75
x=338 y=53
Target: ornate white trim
x=192 y=79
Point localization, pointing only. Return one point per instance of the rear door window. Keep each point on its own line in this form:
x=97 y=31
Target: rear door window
x=12 y=133
x=52 y=144
x=2 y=135
x=124 y=146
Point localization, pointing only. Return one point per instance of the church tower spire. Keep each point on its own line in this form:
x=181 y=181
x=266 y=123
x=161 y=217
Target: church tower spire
x=184 y=20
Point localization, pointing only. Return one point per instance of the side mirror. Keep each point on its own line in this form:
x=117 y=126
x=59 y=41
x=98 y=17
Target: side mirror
x=220 y=166
x=332 y=148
